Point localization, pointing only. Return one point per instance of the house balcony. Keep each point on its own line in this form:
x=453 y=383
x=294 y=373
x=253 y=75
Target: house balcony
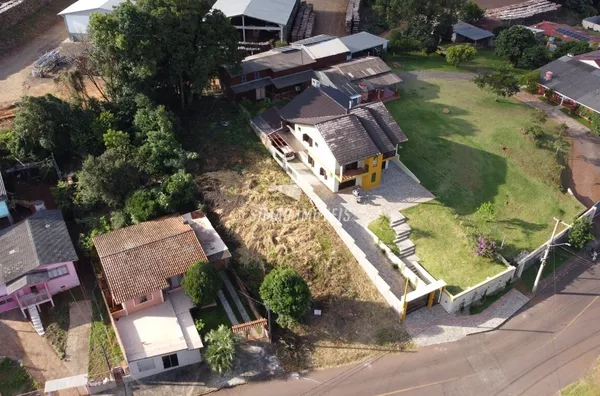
x=36 y=298
x=354 y=173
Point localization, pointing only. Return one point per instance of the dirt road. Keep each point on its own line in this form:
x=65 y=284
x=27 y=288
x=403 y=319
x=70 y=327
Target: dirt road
x=330 y=17
x=16 y=66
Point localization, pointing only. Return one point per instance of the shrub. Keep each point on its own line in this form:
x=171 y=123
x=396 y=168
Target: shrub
x=199 y=324
x=549 y=95
x=457 y=54
x=64 y=195
x=539 y=117
x=220 y=353
x=580 y=233
x=485 y=247
x=102 y=226
x=486 y=211
x=201 y=283
x=285 y=292
x=142 y=205
x=531 y=80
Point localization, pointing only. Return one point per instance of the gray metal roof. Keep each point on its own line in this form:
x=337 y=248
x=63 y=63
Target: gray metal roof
x=362 y=41
x=269 y=121
x=3 y=195
x=275 y=60
x=375 y=131
x=574 y=79
x=294 y=79
x=250 y=85
x=316 y=105
x=314 y=40
x=347 y=139
x=31 y=278
x=471 y=32
x=40 y=239
x=275 y=11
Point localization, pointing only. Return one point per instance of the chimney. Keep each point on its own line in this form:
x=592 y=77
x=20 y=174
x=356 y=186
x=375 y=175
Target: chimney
x=548 y=76
x=39 y=205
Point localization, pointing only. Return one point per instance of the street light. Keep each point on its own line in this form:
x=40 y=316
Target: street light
x=545 y=257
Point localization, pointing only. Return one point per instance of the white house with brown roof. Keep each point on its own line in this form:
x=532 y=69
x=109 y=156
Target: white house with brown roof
x=143 y=266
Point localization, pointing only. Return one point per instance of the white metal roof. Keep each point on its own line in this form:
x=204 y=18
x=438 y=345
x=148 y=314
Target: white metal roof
x=274 y=11
x=91 y=5
x=327 y=48
x=362 y=41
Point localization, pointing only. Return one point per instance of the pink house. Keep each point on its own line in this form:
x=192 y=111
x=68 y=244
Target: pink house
x=36 y=263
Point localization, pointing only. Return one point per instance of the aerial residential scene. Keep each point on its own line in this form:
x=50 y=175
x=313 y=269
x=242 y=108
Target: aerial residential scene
x=299 y=197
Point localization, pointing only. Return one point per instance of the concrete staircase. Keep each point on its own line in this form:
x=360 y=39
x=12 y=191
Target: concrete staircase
x=406 y=246
x=36 y=321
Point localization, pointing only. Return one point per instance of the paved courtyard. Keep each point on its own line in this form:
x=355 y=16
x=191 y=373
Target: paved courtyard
x=397 y=192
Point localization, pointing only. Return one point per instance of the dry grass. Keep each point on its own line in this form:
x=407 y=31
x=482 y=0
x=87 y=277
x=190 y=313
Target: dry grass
x=355 y=322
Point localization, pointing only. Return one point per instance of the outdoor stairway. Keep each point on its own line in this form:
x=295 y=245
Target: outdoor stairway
x=36 y=321
x=402 y=232
x=407 y=248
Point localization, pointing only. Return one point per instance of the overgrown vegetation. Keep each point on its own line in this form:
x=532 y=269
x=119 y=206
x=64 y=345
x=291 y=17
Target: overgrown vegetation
x=580 y=233
x=220 y=352
x=14 y=379
x=103 y=342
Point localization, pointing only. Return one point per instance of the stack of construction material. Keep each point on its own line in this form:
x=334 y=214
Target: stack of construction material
x=522 y=10
x=304 y=22
x=352 y=16
x=46 y=63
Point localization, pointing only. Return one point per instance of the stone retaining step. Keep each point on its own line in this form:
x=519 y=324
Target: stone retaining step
x=407 y=248
x=401 y=228
x=400 y=238
x=397 y=219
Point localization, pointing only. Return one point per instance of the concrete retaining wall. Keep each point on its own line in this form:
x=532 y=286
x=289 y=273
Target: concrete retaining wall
x=452 y=303
x=18 y=10
x=536 y=255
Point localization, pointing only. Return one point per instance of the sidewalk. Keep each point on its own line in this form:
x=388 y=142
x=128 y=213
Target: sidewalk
x=436 y=326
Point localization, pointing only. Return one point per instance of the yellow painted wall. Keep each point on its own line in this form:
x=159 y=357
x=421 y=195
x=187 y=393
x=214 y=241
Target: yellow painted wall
x=366 y=179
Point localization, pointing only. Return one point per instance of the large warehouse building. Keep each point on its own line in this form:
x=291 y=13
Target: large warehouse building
x=260 y=20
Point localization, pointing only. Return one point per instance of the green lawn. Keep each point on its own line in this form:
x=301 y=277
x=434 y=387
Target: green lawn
x=485 y=60
x=556 y=259
x=384 y=231
x=212 y=318
x=577 y=118
x=476 y=154
x=14 y=379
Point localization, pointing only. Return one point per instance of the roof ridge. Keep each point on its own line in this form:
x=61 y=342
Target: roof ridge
x=35 y=250
x=332 y=98
x=155 y=241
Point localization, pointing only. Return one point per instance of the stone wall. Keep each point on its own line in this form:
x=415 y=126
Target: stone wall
x=13 y=12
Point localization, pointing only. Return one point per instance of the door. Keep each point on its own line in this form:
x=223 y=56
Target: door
x=347 y=184
x=175 y=281
x=260 y=93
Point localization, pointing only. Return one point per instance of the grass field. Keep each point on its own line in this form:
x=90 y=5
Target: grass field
x=212 y=318
x=475 y=154
x=384 y=231
x=485 y=60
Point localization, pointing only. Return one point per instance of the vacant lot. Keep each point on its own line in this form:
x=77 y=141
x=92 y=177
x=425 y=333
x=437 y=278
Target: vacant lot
x=265 y=228
x=468 y=150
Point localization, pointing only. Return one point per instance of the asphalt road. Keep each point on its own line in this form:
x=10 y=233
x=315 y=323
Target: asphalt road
x=550 y=343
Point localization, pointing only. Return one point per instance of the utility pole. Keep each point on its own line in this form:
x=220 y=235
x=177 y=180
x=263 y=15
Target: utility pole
x=545 y=256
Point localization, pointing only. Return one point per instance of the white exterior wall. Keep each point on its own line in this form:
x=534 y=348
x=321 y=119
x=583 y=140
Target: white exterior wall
x=185 y=357
x=322 y=156
x=77 y=23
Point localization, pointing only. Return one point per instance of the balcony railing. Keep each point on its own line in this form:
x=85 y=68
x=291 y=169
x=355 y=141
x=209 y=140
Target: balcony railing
x=354 y=173
x=35 y=298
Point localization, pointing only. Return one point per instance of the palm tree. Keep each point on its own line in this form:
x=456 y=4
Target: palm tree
x=220 y=353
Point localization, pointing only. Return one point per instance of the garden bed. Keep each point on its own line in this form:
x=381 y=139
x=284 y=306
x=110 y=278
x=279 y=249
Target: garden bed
x=473 y=155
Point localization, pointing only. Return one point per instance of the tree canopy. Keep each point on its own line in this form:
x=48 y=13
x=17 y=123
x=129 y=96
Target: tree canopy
x=168 y=50
x=285 y=292
x=501 y=82
x=534 y=57
x=471 y=12
x=201 y=283
x=220 y=352
x=571 y=47
x=513 y=42
x=457 y=54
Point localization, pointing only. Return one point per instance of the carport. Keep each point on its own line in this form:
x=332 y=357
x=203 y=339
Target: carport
x=467 y=33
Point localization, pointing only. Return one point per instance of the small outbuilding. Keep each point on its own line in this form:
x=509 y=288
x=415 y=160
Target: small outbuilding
x=466 y=33
x=365 y=44
x=77 y=15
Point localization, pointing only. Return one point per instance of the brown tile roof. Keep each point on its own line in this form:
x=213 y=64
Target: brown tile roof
x=139 y=259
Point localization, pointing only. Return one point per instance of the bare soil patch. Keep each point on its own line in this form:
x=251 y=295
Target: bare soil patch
x=271 y=229
x=330 y=17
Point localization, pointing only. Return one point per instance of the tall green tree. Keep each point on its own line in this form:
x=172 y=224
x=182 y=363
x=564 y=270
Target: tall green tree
x=285 y=292
x=166 y=49
x=501 y=82
x=534 y=57
x=571 y=47
x=471 y=12
x=513 y=42
x=201 y=283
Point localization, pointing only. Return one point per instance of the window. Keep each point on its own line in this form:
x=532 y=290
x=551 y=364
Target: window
x=58 y=271
x=170 y=361
x=323 y=173
x=310 y=160
x=373 y=177
x=142 y=299
x=256 y=75
x=244 y=78
x=307 y=139
x=145 y=365
x=316 y=145
x=261 y=93
x=8 y=300
x=375 y=161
